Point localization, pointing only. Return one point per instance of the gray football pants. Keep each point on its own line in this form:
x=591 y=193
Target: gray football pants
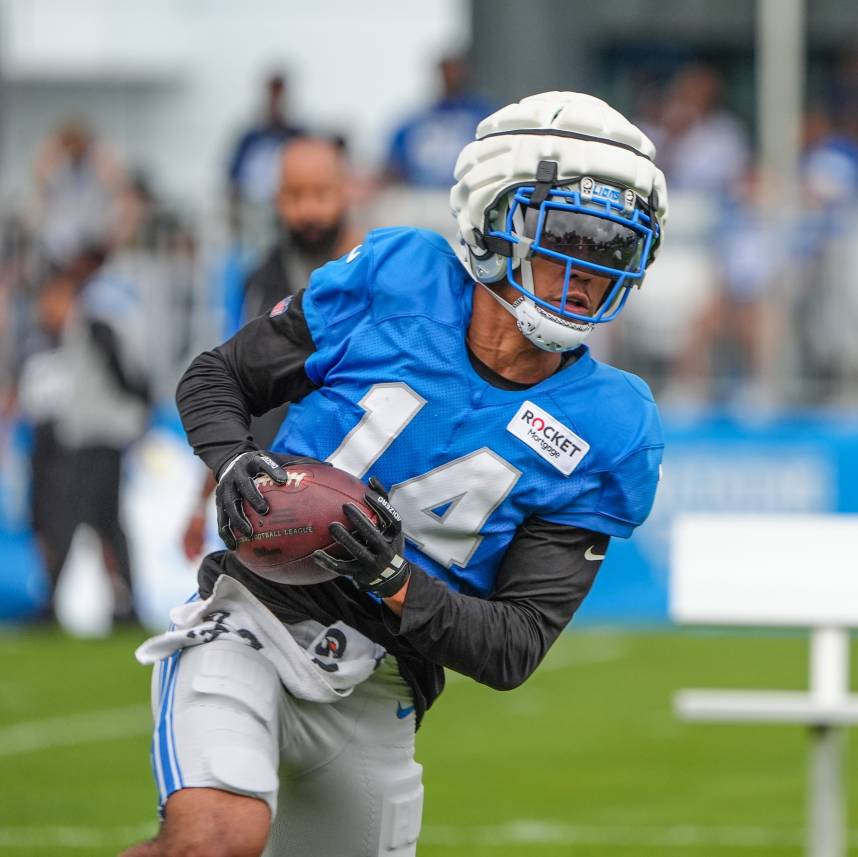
x=340 y=778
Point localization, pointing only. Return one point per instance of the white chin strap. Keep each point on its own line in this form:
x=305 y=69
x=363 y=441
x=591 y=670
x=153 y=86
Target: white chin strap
x=544 y=329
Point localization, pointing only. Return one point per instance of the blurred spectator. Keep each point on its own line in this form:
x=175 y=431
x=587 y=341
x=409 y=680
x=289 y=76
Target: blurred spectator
x=79 y=181
x=145 y=222
x=104 y=410
x=312 y=211
x=42 y=395
x=701 y=145
x=830 y=161
x=424 y=149
x=252 y=169
x=730 y=344
x=826 y=305
x=159 y=253
x=653 y=331
x=15 y=277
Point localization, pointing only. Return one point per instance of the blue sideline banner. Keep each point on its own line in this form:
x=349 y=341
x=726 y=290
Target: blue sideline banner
x=23 y=585
x=799 y=464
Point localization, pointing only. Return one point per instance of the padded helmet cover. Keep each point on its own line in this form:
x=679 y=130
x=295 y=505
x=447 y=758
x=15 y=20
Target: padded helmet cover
x=591 y=139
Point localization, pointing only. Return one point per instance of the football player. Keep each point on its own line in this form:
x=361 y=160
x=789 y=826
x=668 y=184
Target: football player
x=286 y=714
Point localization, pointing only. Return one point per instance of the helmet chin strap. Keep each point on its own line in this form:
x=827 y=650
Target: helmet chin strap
x=504 y=303
x=538 y=326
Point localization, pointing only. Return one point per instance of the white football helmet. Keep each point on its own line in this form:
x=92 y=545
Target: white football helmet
x=565 y=176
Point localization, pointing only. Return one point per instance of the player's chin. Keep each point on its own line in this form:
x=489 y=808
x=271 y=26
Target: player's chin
x=564 y=318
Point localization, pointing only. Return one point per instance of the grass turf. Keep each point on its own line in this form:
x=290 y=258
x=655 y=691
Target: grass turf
x=585 y=759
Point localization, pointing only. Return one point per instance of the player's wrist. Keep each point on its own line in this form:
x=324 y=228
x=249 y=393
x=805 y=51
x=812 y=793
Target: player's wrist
x=388 y=581
x=230 y=463
x=375 y=545
x=396 y=602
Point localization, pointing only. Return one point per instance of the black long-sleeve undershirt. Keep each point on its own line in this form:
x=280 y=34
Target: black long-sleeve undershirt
x=261 y=367
x=499 y=641
x=543 y=577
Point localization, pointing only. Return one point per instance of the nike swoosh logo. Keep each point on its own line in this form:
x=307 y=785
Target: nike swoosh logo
x=401 y=712
x=588 y=554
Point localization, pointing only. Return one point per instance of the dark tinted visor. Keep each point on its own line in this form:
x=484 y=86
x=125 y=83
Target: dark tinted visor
x=591 y=239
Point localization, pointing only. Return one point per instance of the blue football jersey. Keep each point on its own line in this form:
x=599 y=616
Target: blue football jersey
x=465 y=462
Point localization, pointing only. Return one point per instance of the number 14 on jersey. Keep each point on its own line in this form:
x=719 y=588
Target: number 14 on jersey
x=444 y=509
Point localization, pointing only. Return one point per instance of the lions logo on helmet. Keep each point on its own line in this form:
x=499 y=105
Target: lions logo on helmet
x=564 y=176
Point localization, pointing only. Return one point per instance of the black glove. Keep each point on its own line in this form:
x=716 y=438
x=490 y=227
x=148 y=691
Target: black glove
x=376 y=562
x=235 y=484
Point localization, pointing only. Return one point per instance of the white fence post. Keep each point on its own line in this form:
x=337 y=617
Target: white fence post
x=829 y=685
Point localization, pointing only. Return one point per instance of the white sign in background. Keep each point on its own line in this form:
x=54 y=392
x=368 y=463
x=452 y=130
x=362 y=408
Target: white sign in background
x=781 y=570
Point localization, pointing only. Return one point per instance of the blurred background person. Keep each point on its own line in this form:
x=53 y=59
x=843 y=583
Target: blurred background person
x=826 y=256
x=104 y=410
x=16 y=270
x=253 y=162
x=312 y=204
x=423 y=149
x=680 y=332
x=146 y=221
x=418 y=163
x=43 y=390
x=702 y=146
x=312 y=201
x=78 y=184
x=731 y=338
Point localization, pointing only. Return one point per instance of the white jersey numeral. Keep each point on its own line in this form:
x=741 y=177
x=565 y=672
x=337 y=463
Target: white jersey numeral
x=388 y=408
x=443 y=510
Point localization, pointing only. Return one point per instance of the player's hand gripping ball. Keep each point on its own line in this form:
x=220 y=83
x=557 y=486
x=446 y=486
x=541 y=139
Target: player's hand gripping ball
x=375 y=548
x=274 y=512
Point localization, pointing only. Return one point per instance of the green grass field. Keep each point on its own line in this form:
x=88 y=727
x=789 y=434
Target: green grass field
x=585 y=759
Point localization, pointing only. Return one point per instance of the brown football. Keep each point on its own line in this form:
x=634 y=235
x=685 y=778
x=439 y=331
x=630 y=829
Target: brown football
x=300 y=510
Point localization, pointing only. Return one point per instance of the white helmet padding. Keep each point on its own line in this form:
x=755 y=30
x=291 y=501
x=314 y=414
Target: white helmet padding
x=577 y=136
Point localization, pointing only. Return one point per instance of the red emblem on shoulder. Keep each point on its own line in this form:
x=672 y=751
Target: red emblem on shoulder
x=281 y=306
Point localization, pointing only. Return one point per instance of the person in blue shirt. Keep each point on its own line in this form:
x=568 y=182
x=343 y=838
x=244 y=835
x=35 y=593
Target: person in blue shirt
x=424 y=148
x=500 y=459
x=255 y=156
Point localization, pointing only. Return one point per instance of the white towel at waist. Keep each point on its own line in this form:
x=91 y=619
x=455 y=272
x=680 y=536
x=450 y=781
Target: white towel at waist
x=324 y=666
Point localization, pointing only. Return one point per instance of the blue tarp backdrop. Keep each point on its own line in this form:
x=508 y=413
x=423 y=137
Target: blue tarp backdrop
x=790 y=464
x=712 y=463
